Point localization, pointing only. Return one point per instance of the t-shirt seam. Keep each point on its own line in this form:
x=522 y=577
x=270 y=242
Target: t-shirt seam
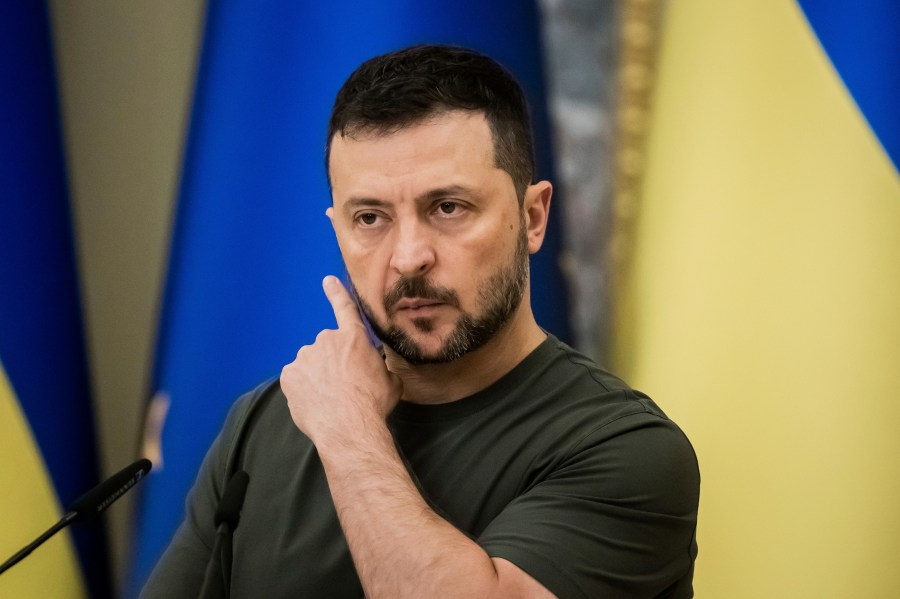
x=230 y=443
x=257 y=396
x=592 y=372
x=577 y=445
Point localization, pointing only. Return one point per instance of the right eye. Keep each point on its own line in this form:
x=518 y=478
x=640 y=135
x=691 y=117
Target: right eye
x=368 y=218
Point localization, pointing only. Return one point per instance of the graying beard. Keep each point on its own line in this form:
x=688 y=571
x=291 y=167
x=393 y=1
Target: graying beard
x=502 y=292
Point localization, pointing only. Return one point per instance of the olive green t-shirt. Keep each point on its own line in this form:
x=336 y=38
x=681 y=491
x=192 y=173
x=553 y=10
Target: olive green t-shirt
x=558 y=467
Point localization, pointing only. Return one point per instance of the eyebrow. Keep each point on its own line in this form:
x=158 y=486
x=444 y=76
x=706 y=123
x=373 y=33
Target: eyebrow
x=429 y=196
x=442 y=192
x=365 y=202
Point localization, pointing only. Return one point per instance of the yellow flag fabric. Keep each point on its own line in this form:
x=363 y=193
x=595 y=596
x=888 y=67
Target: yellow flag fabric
x=30 y=507
x=47 y=437
x=762 y=305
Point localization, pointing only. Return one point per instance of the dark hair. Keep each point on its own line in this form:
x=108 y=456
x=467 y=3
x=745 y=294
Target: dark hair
x=399 y=89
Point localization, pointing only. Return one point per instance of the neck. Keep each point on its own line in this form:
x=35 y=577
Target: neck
x=476 y=370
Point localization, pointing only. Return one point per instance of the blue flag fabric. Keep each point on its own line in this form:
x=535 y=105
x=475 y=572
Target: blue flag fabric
x=862 y=39
x=251 y=241
x=41 y=338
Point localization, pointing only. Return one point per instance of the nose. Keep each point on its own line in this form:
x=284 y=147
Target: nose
x=413 y=253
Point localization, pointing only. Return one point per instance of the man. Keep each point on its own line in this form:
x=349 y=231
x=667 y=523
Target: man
x=477 y=456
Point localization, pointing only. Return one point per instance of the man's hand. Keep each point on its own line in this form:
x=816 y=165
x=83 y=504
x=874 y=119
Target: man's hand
x=339 y=392
x=340 y=385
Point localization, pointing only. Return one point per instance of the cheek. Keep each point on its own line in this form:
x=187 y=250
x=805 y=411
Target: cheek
x=367 y=281
x=472 y=264
x=367 y=276
x=358 y=251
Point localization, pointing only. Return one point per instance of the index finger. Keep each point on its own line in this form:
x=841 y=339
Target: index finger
x=345 y=311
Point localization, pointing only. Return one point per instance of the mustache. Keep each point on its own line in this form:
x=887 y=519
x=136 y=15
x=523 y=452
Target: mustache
x=418 y=287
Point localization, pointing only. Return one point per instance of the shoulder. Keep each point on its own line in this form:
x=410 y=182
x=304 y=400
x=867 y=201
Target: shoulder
x=609 y=427
x=250 y=411
x=584 y=370
x=611 y=491
x=572 y=387
x=257 y=399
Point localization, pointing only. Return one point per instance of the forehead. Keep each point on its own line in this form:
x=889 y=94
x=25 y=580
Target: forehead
x=453 y=144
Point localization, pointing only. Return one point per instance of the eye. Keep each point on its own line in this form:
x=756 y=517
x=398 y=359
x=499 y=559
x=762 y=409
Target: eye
x=368 y=218
x=448 y=207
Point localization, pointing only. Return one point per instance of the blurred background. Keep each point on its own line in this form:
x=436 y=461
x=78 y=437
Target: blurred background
x=727 y=209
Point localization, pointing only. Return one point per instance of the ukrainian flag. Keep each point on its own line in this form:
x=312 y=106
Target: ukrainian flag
x=47 y=451
x=763 y=300
x=251 y=242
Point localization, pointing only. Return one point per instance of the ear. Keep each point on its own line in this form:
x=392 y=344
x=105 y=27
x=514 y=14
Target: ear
x=537 y=211
x=330 y=214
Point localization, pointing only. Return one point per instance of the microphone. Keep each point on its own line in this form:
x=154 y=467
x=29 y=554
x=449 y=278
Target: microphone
x=217 y=579
x=103 y=495
x=88 y=505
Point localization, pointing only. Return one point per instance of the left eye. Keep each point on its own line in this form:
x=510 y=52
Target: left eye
x=448 y=207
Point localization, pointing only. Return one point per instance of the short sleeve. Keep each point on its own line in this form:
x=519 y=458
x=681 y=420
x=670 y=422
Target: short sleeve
x=617 y=518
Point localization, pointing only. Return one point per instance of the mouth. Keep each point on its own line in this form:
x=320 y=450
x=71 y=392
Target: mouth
x=415 y=304
x=417 y=297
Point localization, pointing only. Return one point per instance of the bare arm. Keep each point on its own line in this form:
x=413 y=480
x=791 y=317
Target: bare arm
x=339 y=393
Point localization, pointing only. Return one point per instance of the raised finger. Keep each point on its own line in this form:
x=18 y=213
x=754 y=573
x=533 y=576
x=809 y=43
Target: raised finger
x=344 y=308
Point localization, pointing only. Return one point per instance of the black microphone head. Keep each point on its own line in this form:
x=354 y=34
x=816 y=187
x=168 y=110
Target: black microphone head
x=229 y=510
x=103 y=495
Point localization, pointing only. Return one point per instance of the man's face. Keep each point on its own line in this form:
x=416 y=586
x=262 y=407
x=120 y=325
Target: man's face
x=432 y=235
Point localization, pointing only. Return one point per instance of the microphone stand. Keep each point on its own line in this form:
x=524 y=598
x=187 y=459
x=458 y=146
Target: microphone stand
x=218 y=572
x=25 y=551
x=217 y=578
x=89 y=505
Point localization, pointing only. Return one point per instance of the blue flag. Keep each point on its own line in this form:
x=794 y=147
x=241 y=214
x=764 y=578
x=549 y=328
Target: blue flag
x=251 y=241
x=862 y=40
x=47 y=431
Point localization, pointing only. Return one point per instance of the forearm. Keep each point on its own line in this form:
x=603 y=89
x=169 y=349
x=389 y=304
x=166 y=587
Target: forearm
x=400 y=546
x=339 y=393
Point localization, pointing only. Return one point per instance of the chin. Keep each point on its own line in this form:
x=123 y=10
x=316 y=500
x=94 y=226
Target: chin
x=430 y=348
x=431 y=343
x=418 y=348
